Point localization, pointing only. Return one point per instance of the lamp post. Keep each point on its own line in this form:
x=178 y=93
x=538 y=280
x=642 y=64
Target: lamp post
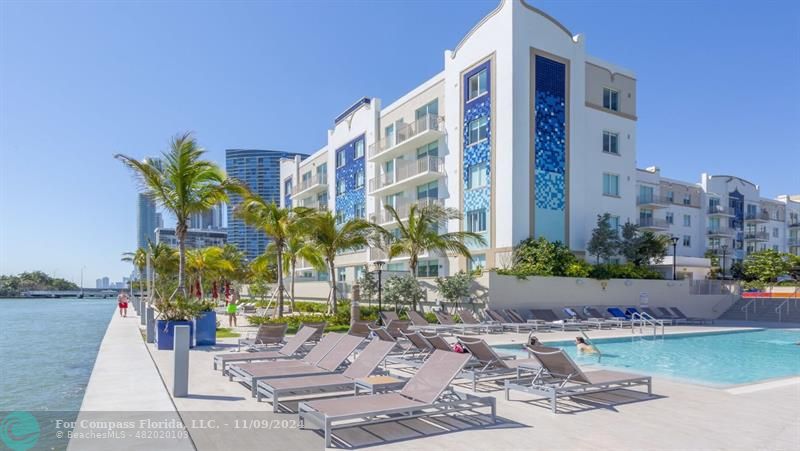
x=80 y=296
x=724 y=251
x=674 y=240
x=379 y=266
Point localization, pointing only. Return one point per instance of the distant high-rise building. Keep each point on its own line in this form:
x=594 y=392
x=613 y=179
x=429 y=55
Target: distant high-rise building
x=147 y=219
x=102 y=283
x=195 y=238
x=209 y=219
x=260 y=170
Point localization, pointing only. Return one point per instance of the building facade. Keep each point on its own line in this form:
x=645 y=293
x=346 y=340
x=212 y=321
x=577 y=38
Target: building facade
x=147 y=218
x=195 y=238
x=260 y=170
x=212 y=218
x=522 y=132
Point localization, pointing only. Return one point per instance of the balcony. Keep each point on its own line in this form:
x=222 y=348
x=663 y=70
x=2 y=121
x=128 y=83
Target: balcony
x=794 y=224
x=756 y=236
x=408 y=173
x=654 y=224
x=315 y=184
x=719 y=252
x=794 y=242
x=761 y=216
x=721 y=232
x=652 y=201
x=719 y=210
x=317 y=205
x=407 y=136
x=383 y=217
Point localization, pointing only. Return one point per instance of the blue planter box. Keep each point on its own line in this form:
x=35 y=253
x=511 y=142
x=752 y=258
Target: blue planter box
x=165 y=333
x=206 y=327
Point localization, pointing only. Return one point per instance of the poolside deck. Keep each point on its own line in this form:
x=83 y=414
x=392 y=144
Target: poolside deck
x=679 y=416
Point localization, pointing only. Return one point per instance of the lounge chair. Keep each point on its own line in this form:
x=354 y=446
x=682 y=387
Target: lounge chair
x=554 y=322
x=291 y=349
x=448 y=321
x=360 y=328
x=618 y=315
x=507 y=323
x=679 y=314
x=437 y=341
x=366 y=362
x=267 y=334
x=319 y=326
x=595 y=314
x=575 y=316
x=423 y=395
x=396 y=327
x=418 y=322
x=331 y=353
x=467 y=317
x=520 y=322
x=655 y=315
x=560 y=377
x=489 y=365
x=389 y=316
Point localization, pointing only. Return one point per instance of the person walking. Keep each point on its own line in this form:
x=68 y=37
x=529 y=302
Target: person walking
x=122 y=303
x=231 y=309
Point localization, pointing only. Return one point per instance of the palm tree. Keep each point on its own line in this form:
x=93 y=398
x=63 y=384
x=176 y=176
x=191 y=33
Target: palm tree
x=298 y=246
x=278 y=224
x=208 y=261
x=164 y=259
x=139 y=260
x=420 y=234
x=184 y=185
x=330 y=238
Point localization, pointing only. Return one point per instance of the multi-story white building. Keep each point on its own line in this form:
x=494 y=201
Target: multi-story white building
x=522 y=132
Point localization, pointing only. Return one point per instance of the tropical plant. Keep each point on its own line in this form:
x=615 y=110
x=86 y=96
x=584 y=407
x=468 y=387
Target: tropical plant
x=604 y=242
x=420 y=234
x=279 y=224
x=165 y=261
x=642 y=247
x=714 y=271
x=207 y=262
x=454 y=287
x=369 y=286
x=766 y=266
x=297 y=246
x=138 y=259
x=540 y=257
x=182 y=184
x=330 y=238
x=403 y=289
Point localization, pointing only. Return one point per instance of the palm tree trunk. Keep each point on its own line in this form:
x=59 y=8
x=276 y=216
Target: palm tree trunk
x=332 y=280
x=291 y=295
x=412 y=266
x=180 y=231
x=279 y=249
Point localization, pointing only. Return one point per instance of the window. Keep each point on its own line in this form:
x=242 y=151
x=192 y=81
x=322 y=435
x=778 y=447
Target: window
x=359 y=149
x=428 y=150
x=477 y=176
x=431 y=109
x=340 y=187
x=611 y=142
x=671 y=196
x=774 y=232
x=339 y=217
x=613 y=221
x=340 y=158
x=611 y=185
x=477 y=262
x=775 y=248
x=670 y=218
x=322 y=173
x=360 y=271
x=687 y=220
x=687 y=199
x=687 y=241
x=428 y=191
x=428 y=268
x=477 y=84
x=359 y=211
x=359 y=179
x=478 y=129
x=389 y=134
x=394 y=267
x=341 y=274
x=476 y=221
x=611 y=99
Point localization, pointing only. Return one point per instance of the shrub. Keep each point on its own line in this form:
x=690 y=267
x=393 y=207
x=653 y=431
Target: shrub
x=624 y=271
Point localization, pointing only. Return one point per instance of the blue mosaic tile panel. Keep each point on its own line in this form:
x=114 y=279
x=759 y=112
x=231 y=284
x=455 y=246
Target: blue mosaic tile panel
x=549 y=137
x=480 y=152
x=352 y=197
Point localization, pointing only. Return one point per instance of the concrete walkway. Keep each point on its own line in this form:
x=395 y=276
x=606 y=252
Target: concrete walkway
x=125 y=389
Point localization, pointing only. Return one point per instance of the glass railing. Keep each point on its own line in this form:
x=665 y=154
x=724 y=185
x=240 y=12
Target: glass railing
x=405 y=132
x=407 y=169
x=721 y=231
x=761 y=236
x=652 y=199
x=653 y=223
x=757 y=216
x=319 y=179
x=403 y=208
x=720 y=210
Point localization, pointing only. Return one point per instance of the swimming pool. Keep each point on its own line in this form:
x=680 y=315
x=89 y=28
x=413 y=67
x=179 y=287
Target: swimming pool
x=718 y=359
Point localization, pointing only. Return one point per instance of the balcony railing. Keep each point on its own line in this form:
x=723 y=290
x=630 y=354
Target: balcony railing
x=405 y=132
x=757 y=217
x=405 y=170
x=403 y=208
x=721 y=210
x=756 y=236
x=721 y=231
x=322 y=206
x=794 y=242
x=316 y=180
x=794 y=223
x=653 y=223
x=653 y=199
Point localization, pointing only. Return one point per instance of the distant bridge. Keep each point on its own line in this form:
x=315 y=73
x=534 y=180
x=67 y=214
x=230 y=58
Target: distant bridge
x=101 y=293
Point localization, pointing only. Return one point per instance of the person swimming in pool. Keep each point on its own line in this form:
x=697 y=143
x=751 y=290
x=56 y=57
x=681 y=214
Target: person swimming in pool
x=584 y=347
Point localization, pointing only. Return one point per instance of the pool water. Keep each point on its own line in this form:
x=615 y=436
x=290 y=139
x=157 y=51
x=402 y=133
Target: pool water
x=719 y=359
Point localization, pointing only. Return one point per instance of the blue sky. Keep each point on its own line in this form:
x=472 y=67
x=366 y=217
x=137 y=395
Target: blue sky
x=718 y=91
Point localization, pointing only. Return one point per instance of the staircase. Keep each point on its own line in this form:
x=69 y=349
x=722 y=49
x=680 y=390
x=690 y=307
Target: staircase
x=764 y=311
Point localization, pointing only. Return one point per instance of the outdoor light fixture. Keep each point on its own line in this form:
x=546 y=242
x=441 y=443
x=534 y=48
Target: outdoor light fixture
x=674 y=257
x=379 y=267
